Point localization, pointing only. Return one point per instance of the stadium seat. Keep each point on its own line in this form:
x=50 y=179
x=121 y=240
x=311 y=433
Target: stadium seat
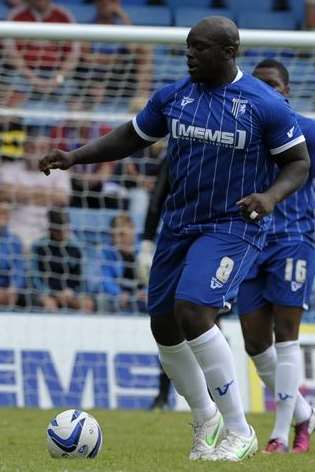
x=261 y=20
x=168 y=67
x=90 y=226
x=188 y=3
x=190 y=16
x=134 y=2
x=243 y=6
x=149 y=16
x=298 y=10
x=69 y=3
x=4 y=10
x=83 y=13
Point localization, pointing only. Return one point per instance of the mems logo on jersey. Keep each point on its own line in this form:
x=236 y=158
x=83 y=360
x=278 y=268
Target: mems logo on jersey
x=209 y=136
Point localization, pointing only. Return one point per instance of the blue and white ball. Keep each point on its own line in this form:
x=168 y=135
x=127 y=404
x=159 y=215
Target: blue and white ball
x=74 y=433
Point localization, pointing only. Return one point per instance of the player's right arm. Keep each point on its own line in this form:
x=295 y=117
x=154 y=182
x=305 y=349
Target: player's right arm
x=119 y=143
x=149 y=126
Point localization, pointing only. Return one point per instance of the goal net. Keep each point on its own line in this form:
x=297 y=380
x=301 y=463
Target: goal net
x=61 y=87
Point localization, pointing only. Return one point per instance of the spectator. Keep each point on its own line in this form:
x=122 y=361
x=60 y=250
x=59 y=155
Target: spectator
x=57 y=267
x=12 y=264
x=113 y=69
x=110 y=12
x=30 y=193
x=310 y=14
x=281 y=5
x=12 y=138
x=41 y=66
x=118 y=279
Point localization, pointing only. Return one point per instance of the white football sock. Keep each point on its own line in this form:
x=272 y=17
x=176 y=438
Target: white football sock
x=287 y=382
x=180 y=365
x=216 y=360
x=266 y=368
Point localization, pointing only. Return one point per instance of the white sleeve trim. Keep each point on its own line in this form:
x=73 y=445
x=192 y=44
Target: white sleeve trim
x=284 y=147
x=142 y=135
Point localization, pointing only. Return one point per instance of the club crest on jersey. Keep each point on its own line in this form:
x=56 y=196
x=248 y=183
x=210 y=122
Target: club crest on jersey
x=290 y=132
x=217 y=137
x=238 y=107
x=186 y=100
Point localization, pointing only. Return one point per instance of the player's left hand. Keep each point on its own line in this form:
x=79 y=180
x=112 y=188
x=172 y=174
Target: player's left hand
x=255 y=206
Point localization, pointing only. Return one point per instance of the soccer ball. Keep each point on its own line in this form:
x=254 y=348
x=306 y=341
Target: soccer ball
x=74 y=433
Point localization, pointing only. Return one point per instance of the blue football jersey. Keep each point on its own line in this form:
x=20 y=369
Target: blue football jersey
x=294 y=218
x=220 y=148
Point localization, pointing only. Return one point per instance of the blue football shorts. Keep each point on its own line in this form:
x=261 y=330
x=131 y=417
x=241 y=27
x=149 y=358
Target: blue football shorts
x=204 y=268
x=282 y=274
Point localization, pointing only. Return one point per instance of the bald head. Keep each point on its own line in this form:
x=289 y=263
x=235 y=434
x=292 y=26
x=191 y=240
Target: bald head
x=219 y=29
x=213 y=45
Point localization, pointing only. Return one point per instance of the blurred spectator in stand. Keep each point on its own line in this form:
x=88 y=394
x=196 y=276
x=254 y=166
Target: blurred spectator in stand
x=40 y=66
x=57 y=268
x=12 y=264
x=310 y=14
x=92 y=184
x=156 y=2
x=29 y=192
x=12 y=138
x=113 y=70
x=282 y=5
x=118 y=286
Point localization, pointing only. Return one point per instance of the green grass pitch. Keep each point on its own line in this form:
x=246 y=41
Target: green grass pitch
x=136 y=441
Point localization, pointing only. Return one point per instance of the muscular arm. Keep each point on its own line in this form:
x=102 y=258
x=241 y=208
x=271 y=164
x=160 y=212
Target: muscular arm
x=294 y=167
x=119 y=143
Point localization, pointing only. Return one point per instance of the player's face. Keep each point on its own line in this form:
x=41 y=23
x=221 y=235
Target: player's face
x=124 y=237
x=59 y=232
x=204 y=56
x=107 y=7
x=272 y=77
x=39 y=5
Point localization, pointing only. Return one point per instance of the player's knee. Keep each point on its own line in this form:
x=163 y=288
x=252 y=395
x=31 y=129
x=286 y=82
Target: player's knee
x=165 y=330
x=286 y=330
x=253 y=347
x=183 y=312
x=194 y=319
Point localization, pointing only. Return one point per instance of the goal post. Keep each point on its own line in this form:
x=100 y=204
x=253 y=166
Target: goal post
x=145 y=34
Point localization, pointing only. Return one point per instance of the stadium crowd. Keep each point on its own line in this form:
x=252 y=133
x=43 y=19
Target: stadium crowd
x=70 y=242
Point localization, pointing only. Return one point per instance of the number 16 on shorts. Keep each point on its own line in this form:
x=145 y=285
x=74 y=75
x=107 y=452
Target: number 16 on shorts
x=295 y=272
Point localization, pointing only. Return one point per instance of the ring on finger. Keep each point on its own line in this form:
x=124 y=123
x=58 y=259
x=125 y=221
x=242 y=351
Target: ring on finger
x=253 y=215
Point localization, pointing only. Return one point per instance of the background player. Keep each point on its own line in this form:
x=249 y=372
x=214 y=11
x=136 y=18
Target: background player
x=223 y=126
x=145 y=257
x=277 y=289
